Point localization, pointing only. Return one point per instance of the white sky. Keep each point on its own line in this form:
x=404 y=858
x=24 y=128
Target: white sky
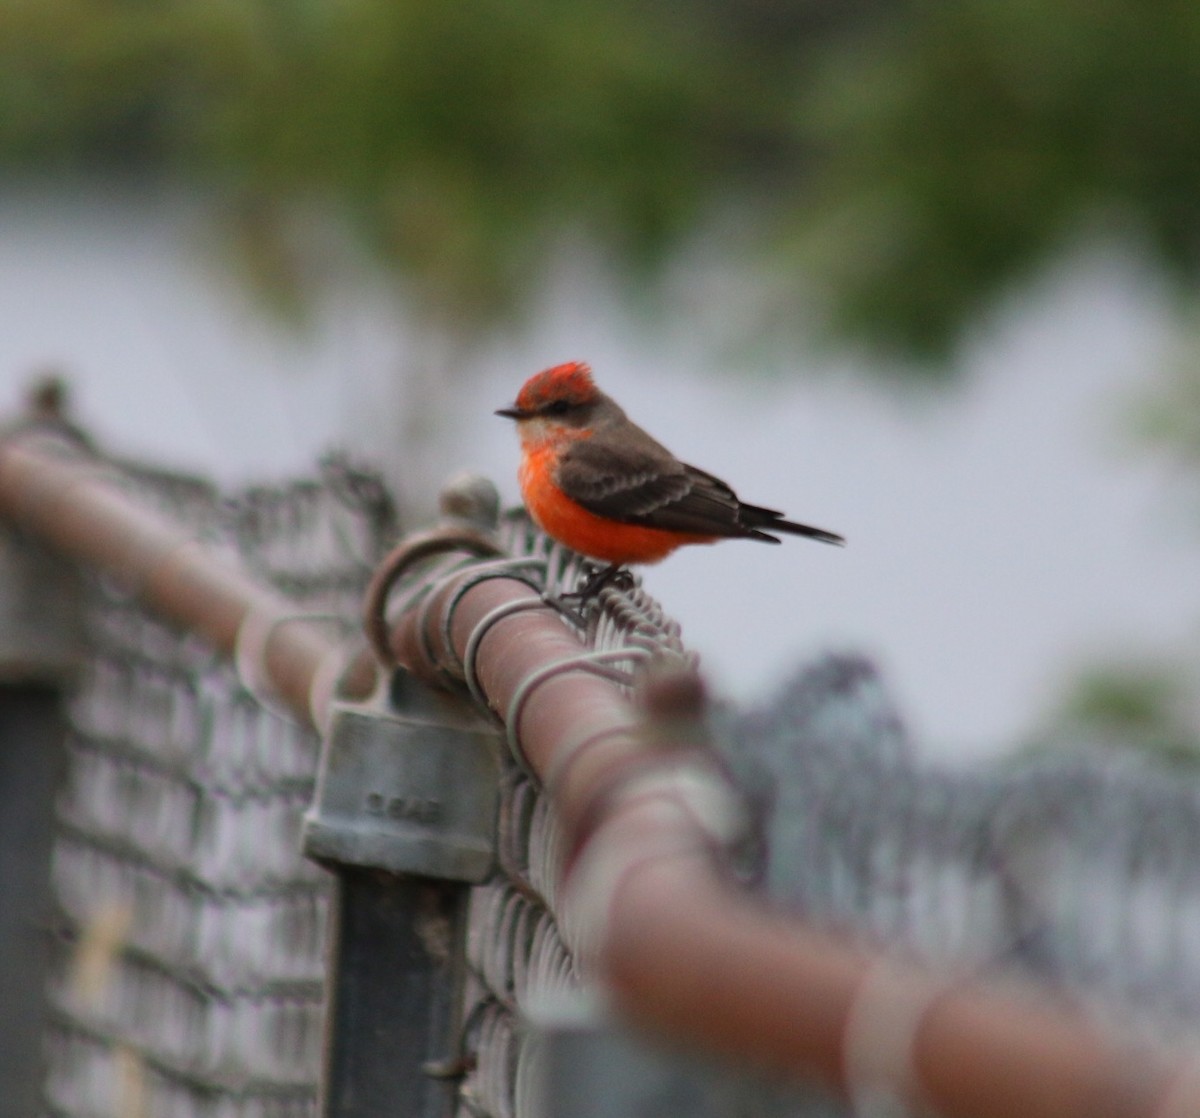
x=999 y=534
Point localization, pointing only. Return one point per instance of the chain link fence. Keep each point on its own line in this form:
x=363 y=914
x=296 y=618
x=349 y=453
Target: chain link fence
x=190 y=934
x=1080 y=869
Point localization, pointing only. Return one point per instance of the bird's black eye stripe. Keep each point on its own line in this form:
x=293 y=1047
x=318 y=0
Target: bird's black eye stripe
x=557 y=407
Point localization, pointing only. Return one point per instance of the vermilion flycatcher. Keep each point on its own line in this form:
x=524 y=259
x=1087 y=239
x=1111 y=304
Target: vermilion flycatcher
x=595 y=481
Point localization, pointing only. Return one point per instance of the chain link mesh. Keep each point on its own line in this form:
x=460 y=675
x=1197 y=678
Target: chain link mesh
x=191 y=949
x=1079 y=869
x=190 y=946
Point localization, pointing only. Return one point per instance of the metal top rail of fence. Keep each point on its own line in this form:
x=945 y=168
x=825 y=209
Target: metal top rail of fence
x=727 y=879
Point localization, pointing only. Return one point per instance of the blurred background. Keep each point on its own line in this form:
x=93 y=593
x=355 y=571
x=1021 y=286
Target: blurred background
x=922 y=274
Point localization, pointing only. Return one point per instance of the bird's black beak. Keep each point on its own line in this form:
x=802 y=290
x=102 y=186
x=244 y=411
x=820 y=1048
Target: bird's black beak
x=511 y=413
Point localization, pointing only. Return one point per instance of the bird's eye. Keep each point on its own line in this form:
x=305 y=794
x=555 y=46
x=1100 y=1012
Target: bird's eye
x=558 y=407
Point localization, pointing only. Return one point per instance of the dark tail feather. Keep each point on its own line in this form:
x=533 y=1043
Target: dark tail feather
x=754 y=518
x=807 y=530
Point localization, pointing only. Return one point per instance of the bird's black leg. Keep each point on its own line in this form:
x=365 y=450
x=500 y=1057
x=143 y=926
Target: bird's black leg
x=596 y=582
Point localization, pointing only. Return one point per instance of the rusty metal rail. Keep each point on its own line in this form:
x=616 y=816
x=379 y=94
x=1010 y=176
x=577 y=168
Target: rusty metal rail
x=647 y=898
x=687 y=953
x=68 y=499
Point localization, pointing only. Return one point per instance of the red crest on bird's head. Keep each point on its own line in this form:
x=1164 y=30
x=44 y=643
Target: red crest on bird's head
x=571 y=382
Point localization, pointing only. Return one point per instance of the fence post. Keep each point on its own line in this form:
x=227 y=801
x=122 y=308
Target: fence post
x=404 y=815
x=39 y=648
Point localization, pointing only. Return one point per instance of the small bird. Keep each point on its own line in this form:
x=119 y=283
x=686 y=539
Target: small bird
x=595 y=481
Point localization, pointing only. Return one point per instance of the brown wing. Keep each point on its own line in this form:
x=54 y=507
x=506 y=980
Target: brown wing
x=648 y=486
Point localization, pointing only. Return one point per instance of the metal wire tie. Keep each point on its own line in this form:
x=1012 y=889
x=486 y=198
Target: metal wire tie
x=471 y=652
x=423 y=545
x=698 y=792
x=421 y=602
x=572 y=751
x=593 y=662
x=880 y=1034
x=602 y=866
x=250 y=651
x=661 y=785
x=324 y=684
x=483 y=572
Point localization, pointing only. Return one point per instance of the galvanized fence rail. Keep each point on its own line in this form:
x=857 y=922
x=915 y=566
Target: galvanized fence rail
x=656 y=908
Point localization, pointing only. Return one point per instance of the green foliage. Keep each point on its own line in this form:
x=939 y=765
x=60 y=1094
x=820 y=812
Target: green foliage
x=1167 y=417
x=1146 y=706
x=964 y=143
x=458 y=138
x=908 y=161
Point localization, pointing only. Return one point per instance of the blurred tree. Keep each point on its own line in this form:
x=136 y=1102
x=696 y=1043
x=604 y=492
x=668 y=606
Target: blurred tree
x=459 y=139
x=1166 y=419
x=907 y=160
x=1146 y=706
x=965 y=143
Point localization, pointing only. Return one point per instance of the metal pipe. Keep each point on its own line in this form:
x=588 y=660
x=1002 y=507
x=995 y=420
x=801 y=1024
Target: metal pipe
x=53 y=489
x=688 y=953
